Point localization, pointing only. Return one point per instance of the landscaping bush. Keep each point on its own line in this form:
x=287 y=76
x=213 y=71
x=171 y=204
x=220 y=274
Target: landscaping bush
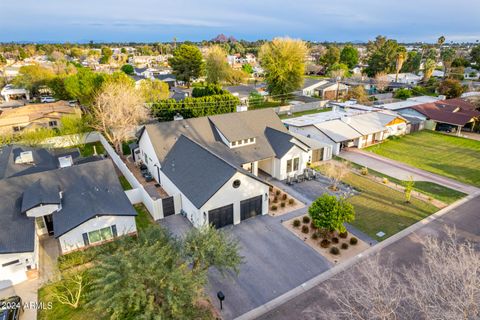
x=325 y=243
x=291 y=201
x=334 y=250
x=275 y=199
x=315 y=236
x=274 y=208
x=343 y=235
x=385 y=180
x=296 y=223
x=284 y=196
x=312 y=225
x=282 y=204
x=344 y=246
x=335 y=240
x=278 y=192
x=364 y=171
x=353 y=241
x=305 y=229
x=306 y=219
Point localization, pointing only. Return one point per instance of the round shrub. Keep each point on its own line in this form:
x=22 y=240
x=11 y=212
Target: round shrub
x=282 y=204
x=277 y=193
x=306 y=219
x=385 y=180
x=284 y=196
x=312 y=225
x=353 y=241
x=291 y=201
x=275 y=199
x=274 y=207
x=296 y=223
x=335 y=240
x=344 y=246
x=315 y=236
x=305 y=229
x=364 y=171
x=334 y=250
x=343 y=235
x=325 y=243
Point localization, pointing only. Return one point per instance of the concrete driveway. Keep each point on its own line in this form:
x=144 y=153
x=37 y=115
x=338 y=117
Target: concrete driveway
x=26 y=290
x=275 y=262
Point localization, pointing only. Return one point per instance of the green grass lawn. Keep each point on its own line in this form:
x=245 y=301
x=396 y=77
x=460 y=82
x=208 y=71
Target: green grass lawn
x=380 y=208
x=86 y=150
x=143 y=219
x=266 y=104
x=302 y=113
x=125 y=184
x=454 y=157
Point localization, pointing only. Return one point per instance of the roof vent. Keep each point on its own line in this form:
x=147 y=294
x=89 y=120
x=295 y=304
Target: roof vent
x=24 y=157
x=65 y=161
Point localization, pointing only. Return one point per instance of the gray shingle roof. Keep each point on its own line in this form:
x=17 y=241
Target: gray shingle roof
x=40 y=193
x=280 y=141
x=197 y=172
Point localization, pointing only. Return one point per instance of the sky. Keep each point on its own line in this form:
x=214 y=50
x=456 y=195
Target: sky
x=195 y=20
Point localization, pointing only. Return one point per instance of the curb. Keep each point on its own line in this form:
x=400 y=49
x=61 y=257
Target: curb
x=272 y=304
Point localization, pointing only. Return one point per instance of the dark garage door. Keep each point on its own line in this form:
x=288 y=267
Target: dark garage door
x=221 y=217
x=251 y=207
x=168 y=206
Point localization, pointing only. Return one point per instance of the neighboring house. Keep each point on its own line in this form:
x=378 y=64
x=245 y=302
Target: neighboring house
x=405 y=78
x=394 y=106
x=216 y=163
x=324 y=89
x=170 y=79
x=32 y=116
x=8 y=92
x=451 y=115
x=51 y=193
x=243 y=91
x=471 y=73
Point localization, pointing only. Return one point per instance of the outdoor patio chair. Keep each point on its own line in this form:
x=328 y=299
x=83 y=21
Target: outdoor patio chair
x=314 y=174
x=289 y=180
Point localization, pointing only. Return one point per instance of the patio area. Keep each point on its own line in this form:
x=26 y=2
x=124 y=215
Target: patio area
x=152 y=187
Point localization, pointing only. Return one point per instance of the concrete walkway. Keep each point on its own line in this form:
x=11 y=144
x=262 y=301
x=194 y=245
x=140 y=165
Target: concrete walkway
x=48 y=254
x=402 y=171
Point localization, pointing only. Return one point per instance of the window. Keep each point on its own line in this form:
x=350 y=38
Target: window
x=245 y=141
x=252 y=140
x=236 y=183
x=16 y=129
x=234 y=143
x=10 y=263
x=146 y=158
x=296 y=163
x=289 y=166
x=52 y=123
x=100 y=235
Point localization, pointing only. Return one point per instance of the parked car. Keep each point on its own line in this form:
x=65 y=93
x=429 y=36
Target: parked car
x=11 y=308
x=47 y=99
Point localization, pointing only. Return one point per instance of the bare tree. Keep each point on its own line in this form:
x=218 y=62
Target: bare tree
x=336 y=171
x=381 y=81
x=117 y=110
x=69 y=289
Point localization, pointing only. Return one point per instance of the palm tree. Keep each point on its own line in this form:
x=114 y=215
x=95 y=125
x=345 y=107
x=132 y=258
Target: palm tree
x=447 y=55
x=441 y=41
x=428 y=68
x=400 y=59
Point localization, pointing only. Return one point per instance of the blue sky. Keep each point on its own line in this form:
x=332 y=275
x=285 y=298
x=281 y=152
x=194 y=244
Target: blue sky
x=155 y=20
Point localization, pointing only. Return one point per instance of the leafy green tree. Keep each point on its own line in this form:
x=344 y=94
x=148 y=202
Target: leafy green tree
x=330 y=213
x=84 y=85
x=428 y=68
x=127 y=68
x=247 y=68
x=349 y=56
x=330 y=57
x=402 y=94
x=255 y=99
x=359 y=94
x=284 y=62
x=187 y=63
x=381 y=56
x=216 y=66
x=209 y=89
x=235 y=77
x=146 y=279
x=154 y=90
x=207 y=247
x=399 y=60
x=460 y=62
x=474 y=55
x=106 y=55
x=57 y=85
x=412 y=64
x=452 y=88
x=338 y=70
x=33 y=77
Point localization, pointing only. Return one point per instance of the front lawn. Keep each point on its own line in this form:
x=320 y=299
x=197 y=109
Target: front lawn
x=143 y=219
x=380 y=208
x=88 y=149
x=450 y=156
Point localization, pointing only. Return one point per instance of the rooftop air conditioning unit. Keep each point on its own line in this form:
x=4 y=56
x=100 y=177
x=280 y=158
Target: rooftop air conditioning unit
x=24 y=157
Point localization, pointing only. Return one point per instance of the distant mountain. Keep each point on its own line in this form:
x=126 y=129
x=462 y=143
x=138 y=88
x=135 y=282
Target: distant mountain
x=223 y=38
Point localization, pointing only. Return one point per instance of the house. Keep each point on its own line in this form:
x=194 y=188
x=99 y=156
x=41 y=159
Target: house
x=8 y=92
x=404 y=78
x=243 y=91
x=396 y=106
x=216 y=163
x=32 y=116
x=471 y=74
x=325 y=89
x=453 y=115
x=53 y=194
x=168 y=78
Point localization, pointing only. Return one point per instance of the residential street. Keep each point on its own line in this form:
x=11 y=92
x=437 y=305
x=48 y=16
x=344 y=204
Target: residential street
x=402 y=171
x=407 y=250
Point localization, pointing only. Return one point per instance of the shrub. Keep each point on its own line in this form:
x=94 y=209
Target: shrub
x=335 y=240
x=296 y=223
x=334 y=250
x=353 y=241
x=315 y=236
x=275 y=199
x=344 y=246
x=306 y=219
x=343 y=235
x=312 y=225
x=284 y=196
x=364 y=171
x=385 y=180
x=291 y=201
x=277 y=192
x=274 y=208
x=282 y=204
x=325 y=243
x=305 y=229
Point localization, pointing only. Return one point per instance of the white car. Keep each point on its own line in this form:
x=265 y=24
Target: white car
x=47 y=99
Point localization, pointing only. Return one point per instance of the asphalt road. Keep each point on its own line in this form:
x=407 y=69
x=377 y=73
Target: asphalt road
x=406 y=251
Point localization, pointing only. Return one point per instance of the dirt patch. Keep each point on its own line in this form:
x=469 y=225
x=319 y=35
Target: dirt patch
x=344 y=254
x=281 y=202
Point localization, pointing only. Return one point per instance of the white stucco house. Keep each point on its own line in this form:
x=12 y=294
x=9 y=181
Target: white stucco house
x=53 y=193
x=217 y=164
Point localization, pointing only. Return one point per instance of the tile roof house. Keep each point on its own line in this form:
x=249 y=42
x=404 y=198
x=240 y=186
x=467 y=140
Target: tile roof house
x=79 y=205
x=215 y=162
